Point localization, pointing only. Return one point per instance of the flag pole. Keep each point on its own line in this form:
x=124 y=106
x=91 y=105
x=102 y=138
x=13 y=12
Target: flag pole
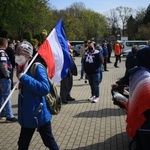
x=17 y=83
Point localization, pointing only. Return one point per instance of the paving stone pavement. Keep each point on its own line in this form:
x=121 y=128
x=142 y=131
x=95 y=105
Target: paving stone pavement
x=81 y=125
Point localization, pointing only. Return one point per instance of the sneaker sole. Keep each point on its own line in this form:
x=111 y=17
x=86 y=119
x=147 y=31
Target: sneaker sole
x=91 y=99
x=2 y=118
x=7 y=121
x=95 y=100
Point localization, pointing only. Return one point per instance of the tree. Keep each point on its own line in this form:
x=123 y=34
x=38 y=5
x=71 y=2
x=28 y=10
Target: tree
x=124 y=14
x=131 y=28
x=23 y=16
x=143 y=32
x=81 y=23
x=112 y=18
x=146 y=19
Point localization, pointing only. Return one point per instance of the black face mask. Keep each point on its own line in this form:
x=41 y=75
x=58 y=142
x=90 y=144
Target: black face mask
x=90 y=49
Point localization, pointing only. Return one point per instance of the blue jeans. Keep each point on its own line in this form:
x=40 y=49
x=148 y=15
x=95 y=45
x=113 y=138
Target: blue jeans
x=94 y=81
x=5 y=88
x=101 y=75
x=46 y=135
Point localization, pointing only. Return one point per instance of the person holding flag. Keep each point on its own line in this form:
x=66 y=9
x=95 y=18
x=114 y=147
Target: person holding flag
x=32 y=109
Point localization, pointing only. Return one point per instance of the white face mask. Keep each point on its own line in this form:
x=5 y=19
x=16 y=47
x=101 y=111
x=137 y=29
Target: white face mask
x=20 y=60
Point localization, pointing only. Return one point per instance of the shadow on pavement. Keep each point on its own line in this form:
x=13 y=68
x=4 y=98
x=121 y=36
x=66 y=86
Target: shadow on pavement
x=101 y=113
x=120 y=142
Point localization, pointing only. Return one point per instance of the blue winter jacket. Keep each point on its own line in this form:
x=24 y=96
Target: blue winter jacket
x=32 y=108
x=105 y=51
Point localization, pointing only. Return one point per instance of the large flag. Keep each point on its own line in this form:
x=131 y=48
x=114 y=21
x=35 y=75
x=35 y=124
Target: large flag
x=55 y=52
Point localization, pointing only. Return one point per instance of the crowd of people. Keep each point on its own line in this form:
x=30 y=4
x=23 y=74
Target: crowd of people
x=94 y=60
x=137 y=77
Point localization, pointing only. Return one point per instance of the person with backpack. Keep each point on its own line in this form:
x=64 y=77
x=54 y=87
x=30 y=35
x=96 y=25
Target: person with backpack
x=33 y=112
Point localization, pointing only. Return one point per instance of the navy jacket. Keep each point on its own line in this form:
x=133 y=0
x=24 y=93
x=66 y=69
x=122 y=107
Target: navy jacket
x=5 y=67
x=93 y=62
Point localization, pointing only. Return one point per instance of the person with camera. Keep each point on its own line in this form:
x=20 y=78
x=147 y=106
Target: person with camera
x=92 y=64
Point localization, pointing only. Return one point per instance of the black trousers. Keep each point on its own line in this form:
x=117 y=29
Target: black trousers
x=66 y=86
x=46 y=135
x=11 y=77
x=105 y=63
x=117 y=59
x=109 y=56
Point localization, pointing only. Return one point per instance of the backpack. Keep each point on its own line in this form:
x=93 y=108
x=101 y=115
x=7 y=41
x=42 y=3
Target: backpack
x=53 y=100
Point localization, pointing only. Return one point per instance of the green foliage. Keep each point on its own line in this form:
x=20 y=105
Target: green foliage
x=3 y=34
x=81 y=23
x=23 y=16
x=27 y=36
x=24 y=19
x=38 y=37
x=34 y=42
x=147 y=16
x=132 y=28
x=143 y=32
x=138 y=28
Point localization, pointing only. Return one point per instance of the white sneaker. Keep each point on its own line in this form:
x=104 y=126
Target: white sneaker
x=91 y=98
x=95 y=100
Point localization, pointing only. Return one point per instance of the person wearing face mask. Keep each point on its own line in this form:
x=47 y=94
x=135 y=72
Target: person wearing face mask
x=92 y=65
x=32 y=108
x=5 y=82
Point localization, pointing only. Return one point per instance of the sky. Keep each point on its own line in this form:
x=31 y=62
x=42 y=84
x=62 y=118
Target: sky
x=102 y=6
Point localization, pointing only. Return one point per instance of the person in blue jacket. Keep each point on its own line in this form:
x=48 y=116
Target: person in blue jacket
x=32 y=109
x=105 y=54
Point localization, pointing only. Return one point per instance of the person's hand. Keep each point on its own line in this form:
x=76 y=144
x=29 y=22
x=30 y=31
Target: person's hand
x=114 y=85
x=20 y=75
